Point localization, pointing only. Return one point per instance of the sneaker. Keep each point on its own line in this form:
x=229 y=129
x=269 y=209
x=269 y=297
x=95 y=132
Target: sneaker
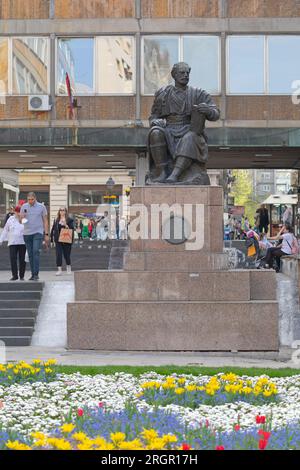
x=21 y=278
x=69 y=270
x=59 y=272
x=31 y=278
x=13 y=279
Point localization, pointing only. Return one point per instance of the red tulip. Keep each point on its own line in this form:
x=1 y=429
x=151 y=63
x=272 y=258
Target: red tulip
x=206 y=423
x=101 y=404
x=237 y=427
x=80 y=412
x=220 y=448
x=260 y=419
x=266 y=435
x=262 y=444
x=185 y=447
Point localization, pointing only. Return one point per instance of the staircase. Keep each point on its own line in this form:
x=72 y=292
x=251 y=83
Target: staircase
x=19 y=303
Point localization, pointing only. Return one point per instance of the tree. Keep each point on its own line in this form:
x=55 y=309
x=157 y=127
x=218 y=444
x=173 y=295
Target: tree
x=242 y=191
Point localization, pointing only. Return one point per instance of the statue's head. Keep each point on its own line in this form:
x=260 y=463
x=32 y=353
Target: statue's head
x=181 y=73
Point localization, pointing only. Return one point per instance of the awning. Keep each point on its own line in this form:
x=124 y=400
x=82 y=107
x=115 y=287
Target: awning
x=11 y=188
x=288 y=199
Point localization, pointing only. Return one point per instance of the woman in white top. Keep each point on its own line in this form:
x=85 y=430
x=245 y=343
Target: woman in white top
x=13 y=232
x=283 y=249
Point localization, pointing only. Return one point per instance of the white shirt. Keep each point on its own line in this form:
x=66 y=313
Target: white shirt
x=13 y=232
x=287 y=240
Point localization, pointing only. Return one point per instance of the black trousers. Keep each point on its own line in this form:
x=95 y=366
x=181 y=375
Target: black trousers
x=263 y=227
x=63 y=250
x=272 y=253
x=14 y=251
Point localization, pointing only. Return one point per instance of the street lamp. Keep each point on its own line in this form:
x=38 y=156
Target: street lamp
x=110 y=184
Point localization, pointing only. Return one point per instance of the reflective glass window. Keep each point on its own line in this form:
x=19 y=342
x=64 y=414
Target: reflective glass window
x=75 y=56
x=202 y=54
x=246 y=71
x=115 y=59
x=160 y=54
x=30 y=66
x=284 y=65
x=3 y=66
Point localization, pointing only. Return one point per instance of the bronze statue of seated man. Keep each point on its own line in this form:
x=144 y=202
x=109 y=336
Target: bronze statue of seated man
x=177 y=141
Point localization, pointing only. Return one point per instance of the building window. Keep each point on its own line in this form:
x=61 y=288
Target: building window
x=203 y=55
x=115 y=68
x=3 y=66
x=245 y=65
x=75 y=56
x=265 y=188
x=200 y=52
x=100 y=65
x=85 y=197
x=265 y=176
x=284 y=67
x=29 y=66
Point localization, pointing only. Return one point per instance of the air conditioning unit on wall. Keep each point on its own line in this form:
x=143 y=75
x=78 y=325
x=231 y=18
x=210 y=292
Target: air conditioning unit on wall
x=38 y=103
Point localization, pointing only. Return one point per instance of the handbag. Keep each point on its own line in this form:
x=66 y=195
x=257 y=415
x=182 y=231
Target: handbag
x=66 y=236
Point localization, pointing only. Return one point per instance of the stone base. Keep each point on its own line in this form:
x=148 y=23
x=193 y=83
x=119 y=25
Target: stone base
x=170 y=326
x=172 y=298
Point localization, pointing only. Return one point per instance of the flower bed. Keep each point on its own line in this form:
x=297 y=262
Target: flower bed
x=117 y=411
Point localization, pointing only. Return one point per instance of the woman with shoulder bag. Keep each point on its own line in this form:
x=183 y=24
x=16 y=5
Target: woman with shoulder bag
x=62 y=233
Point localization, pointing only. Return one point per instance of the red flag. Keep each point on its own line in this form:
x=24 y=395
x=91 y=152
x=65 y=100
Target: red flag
x=69 y=89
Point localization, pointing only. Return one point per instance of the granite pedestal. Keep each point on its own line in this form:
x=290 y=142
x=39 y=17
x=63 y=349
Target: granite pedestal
x=175 y=296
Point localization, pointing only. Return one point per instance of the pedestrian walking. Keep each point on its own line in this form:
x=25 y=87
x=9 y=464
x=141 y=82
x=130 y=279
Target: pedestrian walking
x=262 y=219
x=122 y=229
x=78 y=228
x=35 y=219
x=13 y=233
x=62 y=233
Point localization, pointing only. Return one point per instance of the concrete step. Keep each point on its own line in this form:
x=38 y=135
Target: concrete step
x=18 y=286
x=173 y=326
x=16 y=340
x=17 y=322
x=20 y=295
x=12 y=304
x=18 y=313
x=16 y=330
x=212 y=286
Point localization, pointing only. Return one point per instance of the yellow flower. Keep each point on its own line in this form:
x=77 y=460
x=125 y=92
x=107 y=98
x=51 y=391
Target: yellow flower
x=99 y=441
x=48 y=370
x=36 y=362
x=132 y=445
x=38 y=435
x=246 y=390
x=168 y=385
x=191 y=388
x=59 y=444
x=138 y=395
x=10 y=366
x=67 y=428
x=169 y=438
x=149 y=434
x=87 y=444
x=79 y=436
x=50 y=362
x=230 y=377
x=2 y=368
x=16 y=445
x=117 y=437
x=156 y=444
x=181 y=381
x=179 y=391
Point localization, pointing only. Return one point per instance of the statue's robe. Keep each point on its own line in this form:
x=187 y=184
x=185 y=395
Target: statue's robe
x=175 y=106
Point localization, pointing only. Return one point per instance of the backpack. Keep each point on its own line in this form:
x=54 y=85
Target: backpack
x=294 y=247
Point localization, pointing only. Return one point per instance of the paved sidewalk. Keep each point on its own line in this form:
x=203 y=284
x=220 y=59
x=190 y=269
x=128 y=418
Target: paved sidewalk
x=101 y=358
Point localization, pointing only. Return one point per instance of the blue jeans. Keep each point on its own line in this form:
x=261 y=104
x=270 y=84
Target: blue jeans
x=33 y=245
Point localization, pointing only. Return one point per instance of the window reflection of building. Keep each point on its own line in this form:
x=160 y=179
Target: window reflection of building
x=3 y=67
x=159 y=56
x=76 y=57
x=30 y=66
x=115 y=56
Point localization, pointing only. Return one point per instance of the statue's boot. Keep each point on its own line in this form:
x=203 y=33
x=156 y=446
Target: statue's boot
x=160 y=157
x=181 y=164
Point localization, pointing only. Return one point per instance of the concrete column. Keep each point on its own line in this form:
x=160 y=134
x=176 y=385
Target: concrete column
x=141 y=168
x=52 y=76
x=58 y=196
x=51 y=9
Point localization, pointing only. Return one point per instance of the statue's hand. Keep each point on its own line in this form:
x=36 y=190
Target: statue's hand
x=158 y=122
x=203 y=108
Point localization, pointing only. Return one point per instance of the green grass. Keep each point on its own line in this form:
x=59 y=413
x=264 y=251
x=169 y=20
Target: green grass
x=166 y=370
